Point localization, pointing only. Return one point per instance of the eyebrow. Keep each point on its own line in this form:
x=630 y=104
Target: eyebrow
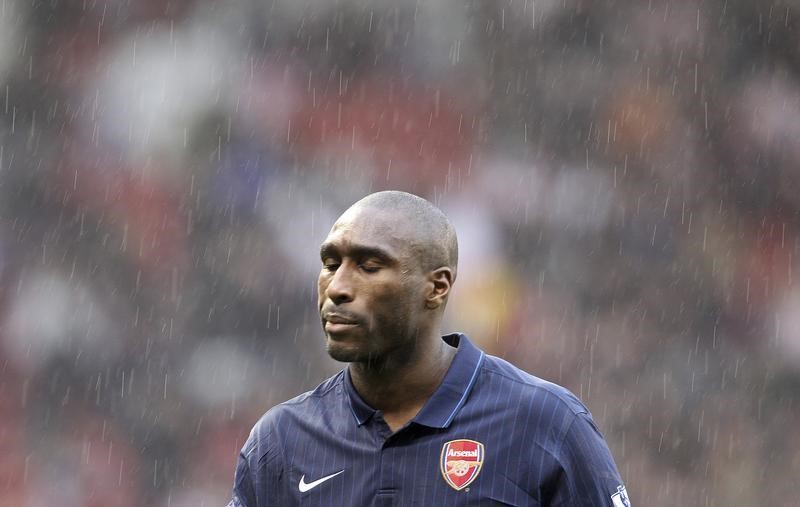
x=360 y=251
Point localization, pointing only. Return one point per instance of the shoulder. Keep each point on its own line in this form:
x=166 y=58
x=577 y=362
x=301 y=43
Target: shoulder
x=319 y=395
x=517 y=383
x=559 y=422
x=285 y=415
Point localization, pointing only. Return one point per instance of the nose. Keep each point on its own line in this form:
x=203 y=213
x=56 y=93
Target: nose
x=340 y=287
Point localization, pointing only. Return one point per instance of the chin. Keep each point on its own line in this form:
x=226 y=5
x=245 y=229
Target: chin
x=344 y=352
x=347 y=353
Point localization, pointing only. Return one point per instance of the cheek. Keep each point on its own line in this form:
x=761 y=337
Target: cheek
x=400 y=303
x=322 y=285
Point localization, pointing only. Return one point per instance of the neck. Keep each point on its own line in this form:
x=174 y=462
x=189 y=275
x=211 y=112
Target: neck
x=400 y=388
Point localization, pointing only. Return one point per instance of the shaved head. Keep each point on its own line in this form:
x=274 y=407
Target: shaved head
x=428 y=231
x=388 y=264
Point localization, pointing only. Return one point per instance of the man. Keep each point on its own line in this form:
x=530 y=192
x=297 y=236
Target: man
x=417 y=418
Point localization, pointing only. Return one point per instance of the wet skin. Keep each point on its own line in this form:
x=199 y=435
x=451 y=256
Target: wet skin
x=371 y=289
x=381 y=311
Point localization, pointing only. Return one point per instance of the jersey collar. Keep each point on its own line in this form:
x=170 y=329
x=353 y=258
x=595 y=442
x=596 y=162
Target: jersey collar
x=449 y=397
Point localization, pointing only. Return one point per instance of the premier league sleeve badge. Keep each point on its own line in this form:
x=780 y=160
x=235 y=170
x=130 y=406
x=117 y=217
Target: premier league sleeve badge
x=620 y=498
x=461 y=462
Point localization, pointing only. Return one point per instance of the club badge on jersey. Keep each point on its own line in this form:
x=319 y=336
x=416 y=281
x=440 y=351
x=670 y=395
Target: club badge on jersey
x=461 y=462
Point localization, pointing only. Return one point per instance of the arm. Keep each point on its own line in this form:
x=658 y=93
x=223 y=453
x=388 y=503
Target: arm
x=256 y=482
x=243 y=487
x=589 y=475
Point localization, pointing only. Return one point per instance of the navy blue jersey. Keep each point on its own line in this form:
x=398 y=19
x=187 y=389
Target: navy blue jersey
x=491 y=434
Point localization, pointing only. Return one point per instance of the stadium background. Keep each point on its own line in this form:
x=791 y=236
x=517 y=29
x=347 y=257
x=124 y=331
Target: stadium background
x=623 y=175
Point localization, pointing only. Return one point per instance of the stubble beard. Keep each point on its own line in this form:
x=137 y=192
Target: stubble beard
x=393 y=347
x=345 y=354
x=375 y=359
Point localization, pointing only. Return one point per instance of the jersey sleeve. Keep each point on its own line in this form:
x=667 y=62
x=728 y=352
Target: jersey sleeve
x=589 y=475
x=257 y=470
x=243 y=484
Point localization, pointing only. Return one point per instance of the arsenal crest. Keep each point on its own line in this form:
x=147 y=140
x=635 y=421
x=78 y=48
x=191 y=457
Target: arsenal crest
x=461 y=462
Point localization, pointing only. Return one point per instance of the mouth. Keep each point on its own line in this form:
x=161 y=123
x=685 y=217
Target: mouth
x=334 y=328
x=334 y=318
x=336 y=323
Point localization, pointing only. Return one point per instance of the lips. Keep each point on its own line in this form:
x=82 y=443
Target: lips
x=337 y=322
x=334 y=318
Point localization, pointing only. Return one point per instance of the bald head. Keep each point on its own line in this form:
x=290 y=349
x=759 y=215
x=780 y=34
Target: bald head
x=388 y=265
x=426 y=229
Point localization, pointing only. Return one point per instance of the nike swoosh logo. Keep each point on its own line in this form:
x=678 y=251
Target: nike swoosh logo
x=303 y=486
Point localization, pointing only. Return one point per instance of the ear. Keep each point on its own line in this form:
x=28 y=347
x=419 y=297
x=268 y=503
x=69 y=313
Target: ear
x=440 y=281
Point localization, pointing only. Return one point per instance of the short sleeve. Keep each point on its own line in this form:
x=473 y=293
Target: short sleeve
x=589 y=474
x=243 y=490
x=258 y=473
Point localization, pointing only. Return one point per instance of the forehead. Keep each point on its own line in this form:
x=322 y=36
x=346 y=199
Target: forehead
x=386 y=229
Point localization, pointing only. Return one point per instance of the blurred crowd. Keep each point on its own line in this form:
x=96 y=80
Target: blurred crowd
x=624 y=177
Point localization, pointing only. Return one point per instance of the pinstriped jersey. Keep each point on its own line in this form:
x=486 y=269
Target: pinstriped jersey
x=490 y=434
